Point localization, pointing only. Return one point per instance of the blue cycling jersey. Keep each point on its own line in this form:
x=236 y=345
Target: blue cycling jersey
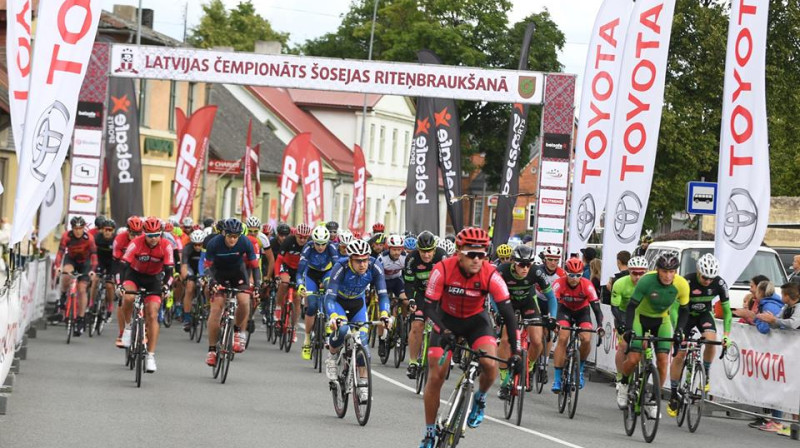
x=311 y=259
x=346 y=284
x=224 y=258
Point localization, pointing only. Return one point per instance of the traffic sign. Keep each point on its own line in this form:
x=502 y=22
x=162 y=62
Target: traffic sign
x=701 y=198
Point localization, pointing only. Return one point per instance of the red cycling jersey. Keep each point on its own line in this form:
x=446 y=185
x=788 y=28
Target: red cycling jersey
x=461 y=296
x=148 y=260
x=289 y=253
x=574 y=298
x=121 y=243
x=78 y=249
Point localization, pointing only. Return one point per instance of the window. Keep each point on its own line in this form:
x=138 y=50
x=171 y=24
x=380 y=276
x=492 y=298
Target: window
x=337 y=206
x=531 y=216
x=407 y=150
x=395 y=155
x=264 y=207
x=345 y=210
x=382 y=146
x=372 y=143
x=190 y=99
x=477 y=212
x=173 y=94
x=144 y=88
x=378 y=210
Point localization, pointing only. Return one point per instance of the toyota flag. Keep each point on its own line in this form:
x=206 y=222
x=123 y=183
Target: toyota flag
x=639 y=102
x=123 y=156
x=250 y=163
x=64 y=37
x=191 y=156
x=290 y=174
x=744 y=183
x=52 y=209
x=18 y=59
x=358 y=219
x=312 y=187
x=598 y=105
x=509 y=182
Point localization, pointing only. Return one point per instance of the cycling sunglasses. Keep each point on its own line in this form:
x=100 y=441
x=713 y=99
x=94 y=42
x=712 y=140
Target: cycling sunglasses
x=152 y=235
x=637 y=273
x=474 y=254
x=524 y=264
x=359 y=260
x=571 y=275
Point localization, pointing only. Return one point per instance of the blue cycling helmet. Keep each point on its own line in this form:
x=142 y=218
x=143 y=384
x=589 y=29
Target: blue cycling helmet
x=232 y=225
x=410 y=243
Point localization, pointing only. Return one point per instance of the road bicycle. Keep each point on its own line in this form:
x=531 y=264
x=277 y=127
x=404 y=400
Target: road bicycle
x=422 y=358
x=373 y=313
x=71 y=305
x=318 y=334
x=644 y=390
x=227 y=320
x=540 y=370
x=353 y=373
x=199 y=312
x=268 y=306
x=691 y=390
x=521 y=380
x=571 y=373
x=397 y=337
x=135 y=354
x=284 y=330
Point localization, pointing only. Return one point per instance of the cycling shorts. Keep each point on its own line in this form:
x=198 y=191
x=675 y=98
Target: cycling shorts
x=150 y=283
x=477 y=330
x=395 y=287
x=81 y=268
x=659 y=326
x=581 y=318
x=354 y=310
x=285 y=269
x=526 y=307
x=703 y=322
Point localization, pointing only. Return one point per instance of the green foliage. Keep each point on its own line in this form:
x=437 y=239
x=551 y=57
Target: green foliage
x=239 y=28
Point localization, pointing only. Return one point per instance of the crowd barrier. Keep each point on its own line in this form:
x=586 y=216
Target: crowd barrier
x=758 y=369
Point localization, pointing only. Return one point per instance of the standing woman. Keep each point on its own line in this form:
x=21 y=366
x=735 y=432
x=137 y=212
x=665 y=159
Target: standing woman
x=595 y=268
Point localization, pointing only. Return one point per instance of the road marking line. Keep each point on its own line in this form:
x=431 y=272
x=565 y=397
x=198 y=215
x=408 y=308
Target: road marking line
x=529 y=431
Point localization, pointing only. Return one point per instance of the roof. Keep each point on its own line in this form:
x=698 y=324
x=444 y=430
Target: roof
x=335 y=100
x=331 y=149
x=111 y=22
x=229 y=136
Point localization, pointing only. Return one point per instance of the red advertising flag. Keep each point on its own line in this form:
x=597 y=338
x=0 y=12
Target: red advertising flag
x=357 y=221
x=180 y=122
x=248 y=199
x=292 y=163
x=191 y=155
x=312 y=186
x=256 y=169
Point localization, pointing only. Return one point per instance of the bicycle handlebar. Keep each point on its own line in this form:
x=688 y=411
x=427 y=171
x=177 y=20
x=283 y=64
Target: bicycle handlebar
x=478 y=353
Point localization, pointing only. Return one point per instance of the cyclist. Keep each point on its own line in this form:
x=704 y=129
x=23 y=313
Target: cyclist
x=576 y=295
x=282 y=231
x=377 y=228
x=416 y=272
x=266 y=260
x=642 y=248
x=621 y=294
x=552 y=272
x=503 y=254
x=345 y=300
x=393 y=261
x=104 y=240
x=316 y=260
x=121 y=243
x=190 y=269
x=78 y=253
x=344 y=239
x=187 y=226
x=228 y=259
x=377 y=243
x=447 y=246
x=147 y=264
x=333 y=228
x=410 y=244
x=288 y=262
x=648 y=311
x=521 y=277
x=455 y=302
x=704 y=286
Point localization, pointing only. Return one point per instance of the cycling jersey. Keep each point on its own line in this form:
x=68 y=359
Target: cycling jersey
x=522 y=289
x=104 y=250
x=392 y=268
x=345 y=285
x=461 y=296
x=149 y=260
x=221 y=258
x=416 y=272
x=653 y=299
x=314 y=263
x=289 y=252
x=191 y=258
x=700 y=298
x=275 y=246
x=621 y=294
x=79 y=250
x=575 y=298
x=256 y=244
x=121 y=242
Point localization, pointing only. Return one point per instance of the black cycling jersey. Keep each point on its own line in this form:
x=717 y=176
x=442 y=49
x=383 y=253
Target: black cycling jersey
x=192 y=258
x=700 y=296
x=522 y=288
x=416 y=272
x=104 y=250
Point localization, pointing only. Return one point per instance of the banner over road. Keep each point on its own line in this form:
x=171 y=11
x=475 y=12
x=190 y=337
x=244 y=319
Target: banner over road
x=346 y=75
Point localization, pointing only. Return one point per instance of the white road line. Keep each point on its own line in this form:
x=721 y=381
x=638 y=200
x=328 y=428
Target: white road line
x=492 y=419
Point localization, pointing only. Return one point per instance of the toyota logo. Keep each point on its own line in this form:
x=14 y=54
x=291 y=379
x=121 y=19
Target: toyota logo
x=607 y=338
x=49 y=135
x=731 y=362
x=50 y=197
x=626 y=217
x=585 y=216
x=741 y=217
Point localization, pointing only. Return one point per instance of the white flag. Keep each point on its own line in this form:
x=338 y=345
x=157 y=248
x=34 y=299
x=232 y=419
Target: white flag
x=52 y=209
x=598 y=103
x=65 y=34
x=18 y=59
x=640 y=99
x=744 y=184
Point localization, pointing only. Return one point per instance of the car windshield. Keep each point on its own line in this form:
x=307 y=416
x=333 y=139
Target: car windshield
x=763 y=263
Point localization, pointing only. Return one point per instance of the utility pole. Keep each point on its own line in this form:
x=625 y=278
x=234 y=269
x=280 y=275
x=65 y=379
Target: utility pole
x=369 y=58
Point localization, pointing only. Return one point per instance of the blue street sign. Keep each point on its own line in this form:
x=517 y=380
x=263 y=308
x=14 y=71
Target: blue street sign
x=701 y=198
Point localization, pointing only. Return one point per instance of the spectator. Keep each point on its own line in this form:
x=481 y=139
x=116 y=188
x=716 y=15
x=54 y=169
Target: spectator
x=788 y=317
x=749 y=304
x=589 y=254
x=768 y=302
x=595 y=268
x=645 y=243
x=795 y=276
x=623 y=257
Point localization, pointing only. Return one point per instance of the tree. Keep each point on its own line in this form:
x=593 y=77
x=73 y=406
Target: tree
x=240 y=28
x=461 y=32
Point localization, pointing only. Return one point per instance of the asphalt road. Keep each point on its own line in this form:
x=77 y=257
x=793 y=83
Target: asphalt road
x=81 y=395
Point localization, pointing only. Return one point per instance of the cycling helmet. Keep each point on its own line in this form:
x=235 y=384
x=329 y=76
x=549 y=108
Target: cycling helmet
x=450 y=237
x=208 y=222
x=356 y=234
x=252 y=222
x=283 y=229
x=232 y=225
x=320 y=235
x=668 y=261
x=358 y=247
x=447 y=246
x=187 y=222
x=708 y=266
x=77 y=221
x=523 y=254
x=99 y=221
x=378 y=227
x=332 y=226
x=472 y=237
x=552 y=252
x=410 y=243
x=110 y=223
x=638 y=263
x=394 y=241
x=152 y=225
x=266 y=229
x=197 y=236
x=169 y=227
x=426 y=241
x=345 y=237
x=135 y=224
x=303 y=229
x=574 y=266
x=504 y=251
x=647 y=239
x=219 y=225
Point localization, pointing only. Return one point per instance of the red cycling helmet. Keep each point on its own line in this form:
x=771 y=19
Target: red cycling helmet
x=135 y=224
x=303 y=229
x=152 y=225
x=356 y=234
x=266 y=229
x=169 y=227
x=378 y=227
x=574 y=265
x=472 y=237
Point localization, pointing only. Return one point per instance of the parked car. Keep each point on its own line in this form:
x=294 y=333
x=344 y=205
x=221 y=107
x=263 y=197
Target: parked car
x=765 y=262
x=787 y=257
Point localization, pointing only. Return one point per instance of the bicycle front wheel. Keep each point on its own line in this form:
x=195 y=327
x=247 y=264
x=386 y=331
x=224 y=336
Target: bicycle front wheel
x=362 y=386
x=563 y=394
x=520 y=386
x=227 y=352
x=574 y=384
x=631 y=411
x=339 y=391
x=650 y=399
x=400 y=342
x=453 y=429
x=696 y=397
x=139 y=351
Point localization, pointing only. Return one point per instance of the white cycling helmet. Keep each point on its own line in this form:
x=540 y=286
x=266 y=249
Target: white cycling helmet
x=187 y=222
x=197 y=236
x=637 y=263
x=320 y=235
x=708 y=266
x=252 y=222
x=345 y=237
x=358 y=247
x=447 y=246
x=395 y=240
x=552 y=252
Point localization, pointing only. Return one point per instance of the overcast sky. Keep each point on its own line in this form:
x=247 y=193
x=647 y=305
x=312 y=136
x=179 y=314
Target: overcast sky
x=307 y=19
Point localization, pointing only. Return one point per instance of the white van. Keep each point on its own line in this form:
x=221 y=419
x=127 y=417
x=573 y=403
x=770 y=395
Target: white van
x=765 y=262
